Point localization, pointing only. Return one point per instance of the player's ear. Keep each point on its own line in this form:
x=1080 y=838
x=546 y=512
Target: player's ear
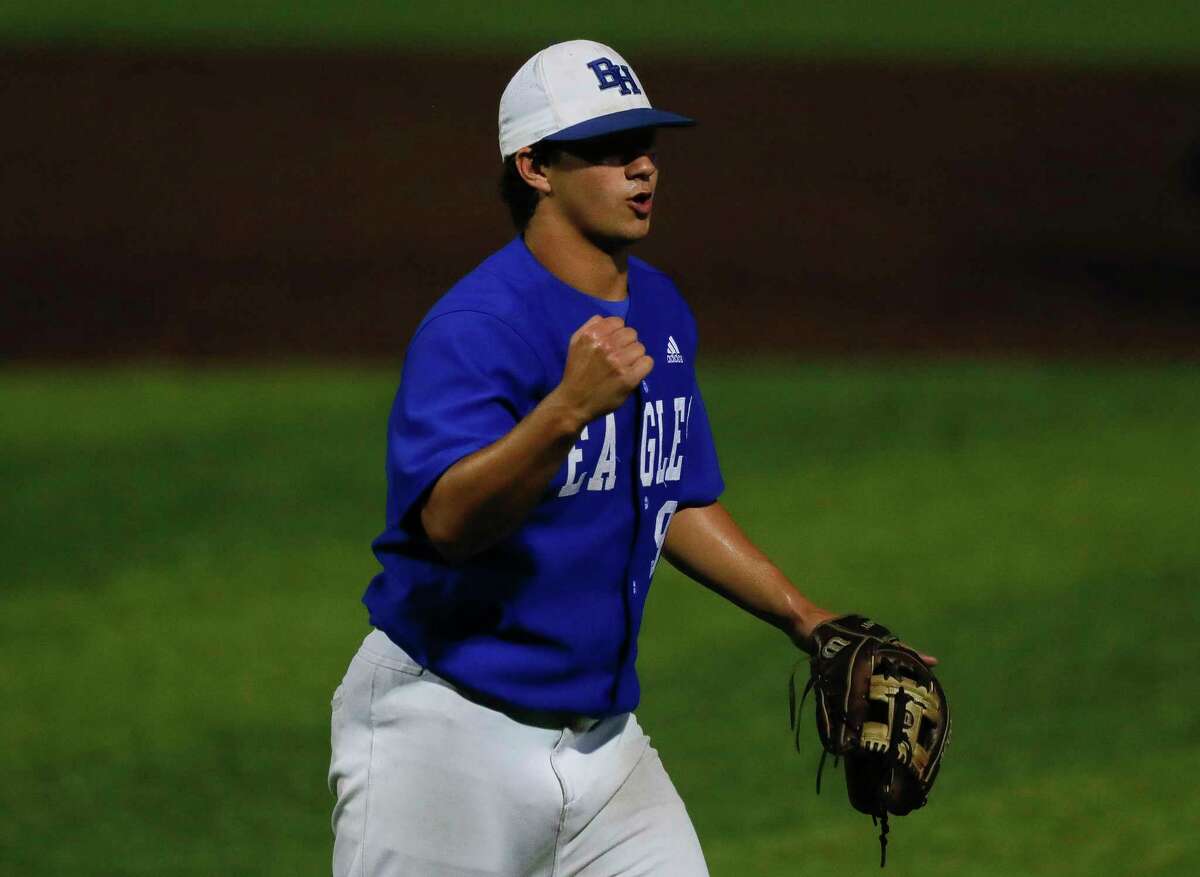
x=532 y=171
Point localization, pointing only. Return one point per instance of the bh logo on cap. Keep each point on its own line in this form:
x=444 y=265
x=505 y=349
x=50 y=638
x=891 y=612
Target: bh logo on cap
x=611 y=75
x=575 y=91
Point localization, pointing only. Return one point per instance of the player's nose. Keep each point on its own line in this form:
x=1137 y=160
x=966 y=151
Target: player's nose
x=642 y=167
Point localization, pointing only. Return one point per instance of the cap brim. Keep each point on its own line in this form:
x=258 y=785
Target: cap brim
x=625 y=120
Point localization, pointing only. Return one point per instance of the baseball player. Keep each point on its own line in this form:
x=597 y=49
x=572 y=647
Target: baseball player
x=547 y=443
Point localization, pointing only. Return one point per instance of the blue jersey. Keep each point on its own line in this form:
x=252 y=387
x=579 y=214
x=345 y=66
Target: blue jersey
x=548 y=618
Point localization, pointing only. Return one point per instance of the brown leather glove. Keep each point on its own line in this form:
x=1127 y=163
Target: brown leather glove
x=881 y=709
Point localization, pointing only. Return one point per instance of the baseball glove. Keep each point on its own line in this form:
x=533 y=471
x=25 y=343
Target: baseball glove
x=881 y=710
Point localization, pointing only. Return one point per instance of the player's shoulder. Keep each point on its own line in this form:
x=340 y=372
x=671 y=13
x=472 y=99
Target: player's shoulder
x=492 y=288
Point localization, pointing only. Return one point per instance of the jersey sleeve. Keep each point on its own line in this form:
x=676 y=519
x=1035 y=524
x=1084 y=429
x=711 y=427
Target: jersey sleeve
x=468 y=379
x=704 y=483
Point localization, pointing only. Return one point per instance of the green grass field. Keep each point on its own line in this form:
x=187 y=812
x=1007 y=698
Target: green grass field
x=183 y=554
x=1077 y=31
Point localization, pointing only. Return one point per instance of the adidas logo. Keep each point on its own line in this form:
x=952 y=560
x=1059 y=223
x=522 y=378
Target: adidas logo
x=673 y=354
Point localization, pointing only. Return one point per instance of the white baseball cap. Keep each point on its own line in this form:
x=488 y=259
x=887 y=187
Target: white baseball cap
x=572 y=91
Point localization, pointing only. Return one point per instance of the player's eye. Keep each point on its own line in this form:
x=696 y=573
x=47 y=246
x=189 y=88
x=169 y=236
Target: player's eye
x=614 y=154
x=628 y=156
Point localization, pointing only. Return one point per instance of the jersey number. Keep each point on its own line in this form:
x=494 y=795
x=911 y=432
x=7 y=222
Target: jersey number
x=660 y=529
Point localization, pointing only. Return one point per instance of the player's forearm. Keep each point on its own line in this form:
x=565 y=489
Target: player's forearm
x=707 y=545
x=488 y=494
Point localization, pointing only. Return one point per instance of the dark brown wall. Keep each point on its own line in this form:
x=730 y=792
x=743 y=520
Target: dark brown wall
x=237 y=205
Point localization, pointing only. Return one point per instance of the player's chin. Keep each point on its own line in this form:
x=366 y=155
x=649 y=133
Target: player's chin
x=636 y=227
x=640 y=229
x=615 y=238
x=619 y=228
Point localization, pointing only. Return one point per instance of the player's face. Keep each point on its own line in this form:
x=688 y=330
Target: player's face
x=605 y=186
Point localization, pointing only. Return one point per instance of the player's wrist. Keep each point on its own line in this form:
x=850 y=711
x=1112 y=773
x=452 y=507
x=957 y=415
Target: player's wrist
x=805 y=622
x=566 y=416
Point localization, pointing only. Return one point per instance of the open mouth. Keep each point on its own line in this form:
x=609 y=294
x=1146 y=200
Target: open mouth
x=641 y=203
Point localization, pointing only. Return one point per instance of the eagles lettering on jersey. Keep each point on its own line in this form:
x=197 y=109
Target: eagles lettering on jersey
x=655 y=463
x=548 y=617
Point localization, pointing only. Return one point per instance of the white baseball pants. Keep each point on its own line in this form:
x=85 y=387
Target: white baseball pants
x=429 y=783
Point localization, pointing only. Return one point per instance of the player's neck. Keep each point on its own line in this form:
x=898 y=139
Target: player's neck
x=577 y=261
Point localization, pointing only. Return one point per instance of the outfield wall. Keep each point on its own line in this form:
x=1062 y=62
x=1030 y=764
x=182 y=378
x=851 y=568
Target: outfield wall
x=208 y=205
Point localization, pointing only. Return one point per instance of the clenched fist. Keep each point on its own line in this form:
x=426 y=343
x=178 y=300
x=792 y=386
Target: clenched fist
x=605 y=362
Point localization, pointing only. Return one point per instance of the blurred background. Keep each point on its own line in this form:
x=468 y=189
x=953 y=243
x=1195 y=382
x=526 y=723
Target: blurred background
x=945 y=261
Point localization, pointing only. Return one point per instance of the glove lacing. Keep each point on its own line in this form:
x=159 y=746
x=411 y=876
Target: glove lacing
x=794 y=711
x=893 y=752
